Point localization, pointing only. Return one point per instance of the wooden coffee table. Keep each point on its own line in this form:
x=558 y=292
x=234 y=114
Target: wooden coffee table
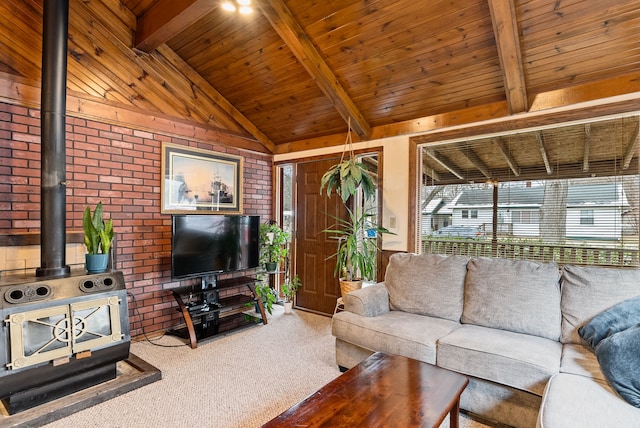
x=382 y=391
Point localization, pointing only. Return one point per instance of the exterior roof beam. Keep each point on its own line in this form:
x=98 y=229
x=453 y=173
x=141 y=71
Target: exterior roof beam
x=476 y=161
x=587 y=145
x=632 y=148
x=543 y=153
x=445 y=163
x=515 y=168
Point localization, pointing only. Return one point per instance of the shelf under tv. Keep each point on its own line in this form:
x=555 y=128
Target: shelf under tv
x=206 y=314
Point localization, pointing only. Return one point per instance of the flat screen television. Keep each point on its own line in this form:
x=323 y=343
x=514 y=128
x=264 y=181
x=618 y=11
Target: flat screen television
x=206 y=244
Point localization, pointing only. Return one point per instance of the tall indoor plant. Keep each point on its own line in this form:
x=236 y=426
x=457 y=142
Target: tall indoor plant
x=357 y=250
x=98 y=236
x=357 y=234
x=273 y=245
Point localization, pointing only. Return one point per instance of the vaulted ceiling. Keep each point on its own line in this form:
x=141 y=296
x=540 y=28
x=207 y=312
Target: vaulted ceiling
x=291 y=75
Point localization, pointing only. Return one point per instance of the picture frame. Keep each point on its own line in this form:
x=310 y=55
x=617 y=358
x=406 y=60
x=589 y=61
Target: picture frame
x=197 y=181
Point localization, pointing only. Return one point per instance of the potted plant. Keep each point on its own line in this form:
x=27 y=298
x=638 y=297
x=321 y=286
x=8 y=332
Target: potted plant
x=98 y=236
x=348 y=175
x=356 y=255
x=289 y=290
x=273 y=249
x=268 y=296
x=345 y=178
x=357 y=234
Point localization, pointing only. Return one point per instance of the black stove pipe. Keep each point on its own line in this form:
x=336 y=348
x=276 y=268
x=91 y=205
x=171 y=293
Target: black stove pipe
x=53 y=156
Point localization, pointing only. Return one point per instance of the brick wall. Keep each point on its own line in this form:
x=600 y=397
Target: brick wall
x=119 y=166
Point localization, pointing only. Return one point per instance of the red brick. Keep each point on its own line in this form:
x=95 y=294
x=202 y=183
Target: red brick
x=120 y=167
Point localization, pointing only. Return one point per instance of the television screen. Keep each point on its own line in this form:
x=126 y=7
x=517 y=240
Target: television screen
x=206 y=244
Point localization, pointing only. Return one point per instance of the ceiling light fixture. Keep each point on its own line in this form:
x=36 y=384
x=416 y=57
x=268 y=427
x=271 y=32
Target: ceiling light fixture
x=242 y=6
x=228 y=6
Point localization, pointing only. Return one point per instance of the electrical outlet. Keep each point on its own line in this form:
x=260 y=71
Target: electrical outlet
x=392 y=222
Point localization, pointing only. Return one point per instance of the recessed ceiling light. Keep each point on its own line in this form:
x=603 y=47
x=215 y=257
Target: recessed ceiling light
x=245 y=10
x=228 y=6
x=244 y=2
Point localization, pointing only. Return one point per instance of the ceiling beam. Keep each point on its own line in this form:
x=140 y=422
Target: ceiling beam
x=445 y=163
x=476 y=161
x=505 y=29
x=628 y=84
x=185 y=69
x=427 y=170
x=632 y=148
x=285 y=24
x=543 y=153
x=506 y=153
x=165 y=19
x=587 y=146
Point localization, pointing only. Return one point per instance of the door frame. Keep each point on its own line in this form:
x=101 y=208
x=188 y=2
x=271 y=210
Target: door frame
x=279 y=195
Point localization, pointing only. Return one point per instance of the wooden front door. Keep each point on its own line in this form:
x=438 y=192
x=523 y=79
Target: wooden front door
x=314 y=213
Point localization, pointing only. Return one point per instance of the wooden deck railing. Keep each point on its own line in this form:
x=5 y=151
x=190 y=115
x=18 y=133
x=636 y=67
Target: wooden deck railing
x=561 y=254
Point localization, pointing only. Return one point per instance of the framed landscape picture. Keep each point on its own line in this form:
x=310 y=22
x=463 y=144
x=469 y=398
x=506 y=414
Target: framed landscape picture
x=199 y=181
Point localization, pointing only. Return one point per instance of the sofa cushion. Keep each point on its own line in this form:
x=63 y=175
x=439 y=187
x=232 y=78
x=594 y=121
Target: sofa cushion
x=587 y=291
x=619 y=358
x=581 y=360
x=518 y=360
x=577 y=401
x=615 y=319
x=519 y=296
x=426 y=284
x=395 y=332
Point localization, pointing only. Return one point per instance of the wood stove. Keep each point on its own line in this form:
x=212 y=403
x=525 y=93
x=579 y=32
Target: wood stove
x=60 y=335
x=61 y=331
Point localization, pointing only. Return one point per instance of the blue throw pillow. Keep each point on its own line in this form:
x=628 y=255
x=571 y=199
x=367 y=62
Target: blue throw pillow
x=619 y=358
x=615 y=319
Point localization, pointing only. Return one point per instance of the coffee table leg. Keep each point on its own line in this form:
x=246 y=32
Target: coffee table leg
x=454 y=414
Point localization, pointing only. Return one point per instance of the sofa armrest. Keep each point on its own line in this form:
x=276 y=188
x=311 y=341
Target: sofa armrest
x=368 y=301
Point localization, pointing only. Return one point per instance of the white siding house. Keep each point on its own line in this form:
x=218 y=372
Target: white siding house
x=593 y=211
x=430 y=220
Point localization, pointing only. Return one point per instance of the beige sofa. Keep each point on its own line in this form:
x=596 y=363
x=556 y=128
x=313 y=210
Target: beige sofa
x=510 y=326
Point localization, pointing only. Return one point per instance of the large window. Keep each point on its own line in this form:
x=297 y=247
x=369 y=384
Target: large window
x=568 y=193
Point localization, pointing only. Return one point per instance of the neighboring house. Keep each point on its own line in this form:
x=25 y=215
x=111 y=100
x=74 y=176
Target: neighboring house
x=594 y=211
x=432 y=219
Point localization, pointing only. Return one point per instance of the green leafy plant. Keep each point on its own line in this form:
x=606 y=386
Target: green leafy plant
x=290 y=288
x=348 y=175
x=267 y=295
x=273 y=241
x=98 y=234
x=356 y=254
x=345 y=178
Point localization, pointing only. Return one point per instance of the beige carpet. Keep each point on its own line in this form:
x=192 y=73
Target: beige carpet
x=240 y=380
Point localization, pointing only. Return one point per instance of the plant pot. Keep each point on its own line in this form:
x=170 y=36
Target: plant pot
x=348 y=286
x=96 y=263
x=288 y=307
x=271 y=266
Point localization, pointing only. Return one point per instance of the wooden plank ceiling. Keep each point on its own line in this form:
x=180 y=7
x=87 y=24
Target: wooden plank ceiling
x=292 y=73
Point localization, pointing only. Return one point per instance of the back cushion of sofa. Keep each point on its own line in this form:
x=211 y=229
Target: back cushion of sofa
x=426 y=284
x=520 y=296
x=587 y=291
